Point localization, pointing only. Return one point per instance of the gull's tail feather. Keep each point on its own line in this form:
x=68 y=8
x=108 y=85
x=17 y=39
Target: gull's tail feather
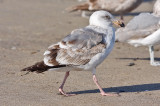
x=84 y=6
x=40 y=67
x=135 y=43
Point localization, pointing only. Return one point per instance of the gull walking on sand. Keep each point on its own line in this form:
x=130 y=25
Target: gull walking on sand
x=83 y=49
x=119 y=7
x=143 y=30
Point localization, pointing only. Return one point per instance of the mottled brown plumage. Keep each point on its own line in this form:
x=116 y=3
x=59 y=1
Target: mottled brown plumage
x=84 y=6
x=40 y=67
x=120 y=7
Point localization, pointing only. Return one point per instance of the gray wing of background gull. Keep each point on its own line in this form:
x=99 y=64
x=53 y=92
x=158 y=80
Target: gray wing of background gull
x=140 y=26
x=77 y=48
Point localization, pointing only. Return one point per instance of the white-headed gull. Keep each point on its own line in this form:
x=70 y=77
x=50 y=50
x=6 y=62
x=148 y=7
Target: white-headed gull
x=83 y=49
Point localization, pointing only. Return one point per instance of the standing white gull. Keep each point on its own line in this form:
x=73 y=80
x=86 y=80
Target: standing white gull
x=81 y=0
x=83 y=49
x=119 y=7
x=156 y=8
x=143 y=30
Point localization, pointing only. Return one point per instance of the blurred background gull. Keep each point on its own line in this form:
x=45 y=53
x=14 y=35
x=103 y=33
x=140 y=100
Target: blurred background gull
x=143 y=30
x=119 y=7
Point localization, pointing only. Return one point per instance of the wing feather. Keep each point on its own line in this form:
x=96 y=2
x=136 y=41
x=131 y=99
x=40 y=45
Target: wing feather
x=76 y=49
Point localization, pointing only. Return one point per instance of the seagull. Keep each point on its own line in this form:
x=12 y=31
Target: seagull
x=83 y=49
x=156 y=8
x=120 y=7
x=81 y=0
x=143 y=30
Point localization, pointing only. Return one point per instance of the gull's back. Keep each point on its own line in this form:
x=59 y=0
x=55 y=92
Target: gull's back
x=140 y=26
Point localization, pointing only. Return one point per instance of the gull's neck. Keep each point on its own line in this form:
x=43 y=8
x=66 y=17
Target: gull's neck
x=102 y=25
x=101 y=29
x=109 y=33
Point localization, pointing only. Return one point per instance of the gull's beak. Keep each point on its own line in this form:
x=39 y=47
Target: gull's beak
x=118 y=23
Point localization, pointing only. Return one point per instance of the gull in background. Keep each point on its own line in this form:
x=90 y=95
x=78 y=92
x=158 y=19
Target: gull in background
x=143 y=30
x=82 y=0
x=156 y=8
x=119 y=7
x=83 y=49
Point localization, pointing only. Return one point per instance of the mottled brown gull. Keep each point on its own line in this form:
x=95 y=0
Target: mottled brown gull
x=119 y=7
x=83 y=49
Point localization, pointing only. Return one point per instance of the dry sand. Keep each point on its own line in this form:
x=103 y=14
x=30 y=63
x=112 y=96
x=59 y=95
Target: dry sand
x=28 y=27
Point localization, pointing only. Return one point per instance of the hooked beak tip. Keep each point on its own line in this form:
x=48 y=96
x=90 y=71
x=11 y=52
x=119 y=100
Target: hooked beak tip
x=122 y=25
x=118 y=23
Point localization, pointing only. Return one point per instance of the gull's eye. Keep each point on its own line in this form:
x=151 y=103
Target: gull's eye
x=108 y=17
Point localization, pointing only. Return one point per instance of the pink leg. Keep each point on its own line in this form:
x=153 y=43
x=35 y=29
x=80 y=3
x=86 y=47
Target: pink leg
x=100 y=88
x=62 y=85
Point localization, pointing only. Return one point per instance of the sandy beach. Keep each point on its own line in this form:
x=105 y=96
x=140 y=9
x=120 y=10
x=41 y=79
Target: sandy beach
x=28 y=27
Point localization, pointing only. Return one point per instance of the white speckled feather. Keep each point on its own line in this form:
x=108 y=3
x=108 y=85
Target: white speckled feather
x=85 y=48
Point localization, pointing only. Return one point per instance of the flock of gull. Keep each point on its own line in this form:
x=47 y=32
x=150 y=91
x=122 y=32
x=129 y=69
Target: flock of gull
x=87 y=47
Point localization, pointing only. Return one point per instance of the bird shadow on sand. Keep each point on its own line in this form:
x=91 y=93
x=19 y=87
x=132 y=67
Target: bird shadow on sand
x=122 y=89
x=156 y=59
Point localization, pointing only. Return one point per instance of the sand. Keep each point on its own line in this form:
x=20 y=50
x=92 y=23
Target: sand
x=28 y=27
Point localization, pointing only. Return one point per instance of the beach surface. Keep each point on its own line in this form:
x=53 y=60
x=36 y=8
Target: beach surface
x=28 y=27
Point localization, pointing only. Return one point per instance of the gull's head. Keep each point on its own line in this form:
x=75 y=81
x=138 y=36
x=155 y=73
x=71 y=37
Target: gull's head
x=104 y=19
